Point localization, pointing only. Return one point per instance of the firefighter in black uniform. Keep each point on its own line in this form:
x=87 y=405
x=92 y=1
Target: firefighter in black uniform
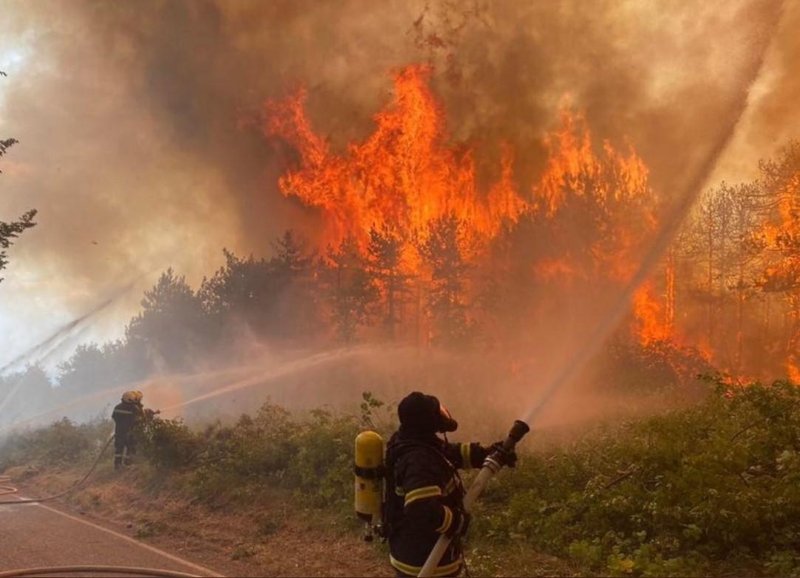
x=424 y=493
x=127 y=416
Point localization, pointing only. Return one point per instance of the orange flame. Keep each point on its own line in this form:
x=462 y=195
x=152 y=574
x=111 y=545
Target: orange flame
x=406 y=174
x=403 y=176
x=650 y=317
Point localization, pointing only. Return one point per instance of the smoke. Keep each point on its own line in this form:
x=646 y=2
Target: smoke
x=773 y=117
x=135 y=119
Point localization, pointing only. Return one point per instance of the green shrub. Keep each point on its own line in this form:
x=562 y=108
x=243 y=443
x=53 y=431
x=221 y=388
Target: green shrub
x=168 y=443
x=710 y=489
x=312 y=456
x=676 y=494
x=60 y=443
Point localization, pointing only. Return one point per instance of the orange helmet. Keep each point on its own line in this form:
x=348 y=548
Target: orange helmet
x=132 y=396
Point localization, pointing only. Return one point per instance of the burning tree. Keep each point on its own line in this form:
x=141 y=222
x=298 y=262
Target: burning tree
x=443 y=253
x=780 y=241
x=386 y=264
x=415 y=244
x=350 y=288
x=407 y=188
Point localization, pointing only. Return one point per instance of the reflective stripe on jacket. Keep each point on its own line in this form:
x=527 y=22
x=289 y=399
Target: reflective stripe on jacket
x=424 y=495
x=125 y=416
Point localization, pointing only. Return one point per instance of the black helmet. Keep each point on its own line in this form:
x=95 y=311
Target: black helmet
x=421 y=413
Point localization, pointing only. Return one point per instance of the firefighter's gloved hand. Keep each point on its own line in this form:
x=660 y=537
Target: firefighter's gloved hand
x=459 y=525
x=507 y=457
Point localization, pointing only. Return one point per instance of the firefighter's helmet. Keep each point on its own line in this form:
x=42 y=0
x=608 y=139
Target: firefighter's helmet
x=423 y=413
x=132 y=396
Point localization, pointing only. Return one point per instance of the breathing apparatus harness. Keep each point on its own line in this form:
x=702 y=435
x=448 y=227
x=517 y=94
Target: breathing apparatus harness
x=416 y=411
x=371 y=471
x=392 y=455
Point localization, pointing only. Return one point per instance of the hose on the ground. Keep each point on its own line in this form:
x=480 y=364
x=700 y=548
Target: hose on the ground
x=6 y=488
x=102 y=570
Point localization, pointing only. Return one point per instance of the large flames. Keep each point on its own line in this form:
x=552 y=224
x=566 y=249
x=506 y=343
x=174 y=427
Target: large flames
x=407 y=174
x=782 y=237
x=400 y=178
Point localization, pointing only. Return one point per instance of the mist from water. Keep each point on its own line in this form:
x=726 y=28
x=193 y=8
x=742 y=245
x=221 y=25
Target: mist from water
x=557 y=350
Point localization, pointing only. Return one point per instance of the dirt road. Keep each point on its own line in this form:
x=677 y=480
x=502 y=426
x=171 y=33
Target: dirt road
x=33 y=535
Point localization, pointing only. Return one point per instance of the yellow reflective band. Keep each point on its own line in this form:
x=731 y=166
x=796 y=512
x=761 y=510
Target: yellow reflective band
x=466 y=456
x=451 y=568
x=125 y=411
x=422 y=493
x=448 y=519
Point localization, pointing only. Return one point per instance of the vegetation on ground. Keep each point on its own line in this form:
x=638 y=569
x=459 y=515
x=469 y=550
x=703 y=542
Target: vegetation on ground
x=705 y=490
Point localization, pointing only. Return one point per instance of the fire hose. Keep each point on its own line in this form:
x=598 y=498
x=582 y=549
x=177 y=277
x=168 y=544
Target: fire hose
x=493 y=463
x=102 y=570
x=6 y=489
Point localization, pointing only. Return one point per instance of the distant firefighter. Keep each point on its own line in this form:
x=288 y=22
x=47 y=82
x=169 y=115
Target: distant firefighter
x=127 y=416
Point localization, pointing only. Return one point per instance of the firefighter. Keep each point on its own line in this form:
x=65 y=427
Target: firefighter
x=424 y=493
x=128 y=416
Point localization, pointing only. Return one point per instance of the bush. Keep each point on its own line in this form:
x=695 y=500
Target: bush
x=61 y=443
x=716 y=484
x=709 y=489
x=168 y=443
x=312 y=456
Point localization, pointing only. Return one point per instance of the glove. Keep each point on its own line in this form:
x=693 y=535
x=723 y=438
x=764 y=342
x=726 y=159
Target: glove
x=459 y=525
x=507 y=457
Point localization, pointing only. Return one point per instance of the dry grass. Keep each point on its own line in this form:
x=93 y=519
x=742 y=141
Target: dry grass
x=271 y=538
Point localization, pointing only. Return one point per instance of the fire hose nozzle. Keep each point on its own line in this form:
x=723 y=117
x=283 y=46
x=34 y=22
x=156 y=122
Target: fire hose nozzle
x=499 y=458
x=517 y=432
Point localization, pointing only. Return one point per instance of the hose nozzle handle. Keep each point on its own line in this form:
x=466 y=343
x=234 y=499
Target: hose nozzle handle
x=500 y=457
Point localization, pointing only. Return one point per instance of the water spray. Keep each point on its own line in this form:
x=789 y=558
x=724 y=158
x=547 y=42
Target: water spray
x=600 y=332
x=46 y=347
x=619 y=308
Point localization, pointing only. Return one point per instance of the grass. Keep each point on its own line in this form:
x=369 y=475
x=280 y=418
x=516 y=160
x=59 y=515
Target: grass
x=711 y=489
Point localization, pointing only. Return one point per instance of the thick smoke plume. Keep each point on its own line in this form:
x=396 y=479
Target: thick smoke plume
x=137 y=121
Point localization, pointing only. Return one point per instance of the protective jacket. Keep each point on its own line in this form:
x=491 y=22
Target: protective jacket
x=126 y=416
x=424 y=497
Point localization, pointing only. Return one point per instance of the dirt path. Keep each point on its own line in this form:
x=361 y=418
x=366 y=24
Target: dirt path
x=273 y=539
x=264 y=535
x=35 y=535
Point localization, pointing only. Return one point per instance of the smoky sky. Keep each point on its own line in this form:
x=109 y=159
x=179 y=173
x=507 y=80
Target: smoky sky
x=138 y=121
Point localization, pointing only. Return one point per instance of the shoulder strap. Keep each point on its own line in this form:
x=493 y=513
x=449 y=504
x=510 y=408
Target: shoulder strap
x=402 y=447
